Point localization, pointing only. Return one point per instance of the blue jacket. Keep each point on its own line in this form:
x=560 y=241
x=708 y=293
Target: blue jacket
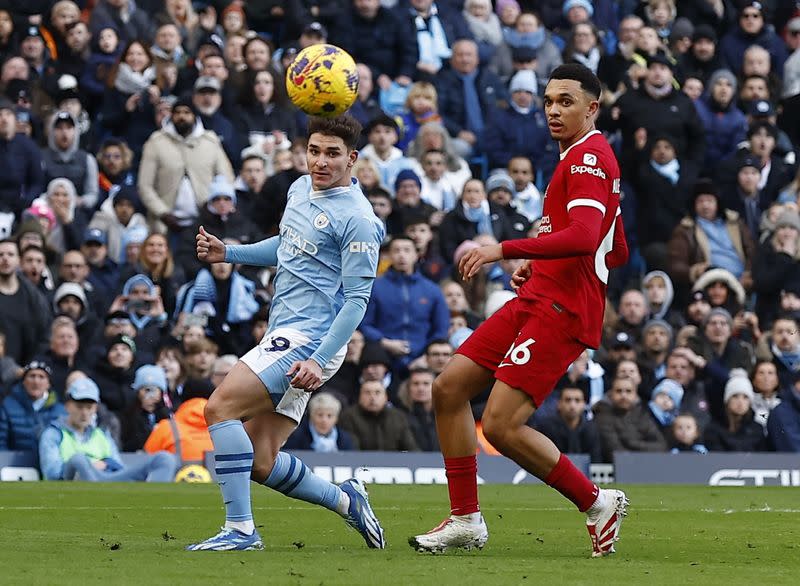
x=406 y=307
x=22 y=179
x=783 y=425
x=736 y=42
x=509 y=134
x=301 y=439
x=20 y=425
x=724 y=130
x=450 y=90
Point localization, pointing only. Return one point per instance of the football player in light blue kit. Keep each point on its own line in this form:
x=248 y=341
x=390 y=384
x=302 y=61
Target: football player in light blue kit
x=327 y=256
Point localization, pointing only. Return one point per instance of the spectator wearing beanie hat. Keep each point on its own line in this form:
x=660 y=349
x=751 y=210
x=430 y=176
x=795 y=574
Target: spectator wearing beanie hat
x=776 y=265
x=146 y=408
x=408 y=202
x=500 y=190
x=30 y=407
x=178 y=164
x=736 y=431
x=521 y=128
x=702 y=59
x=680 y=36
x=114 y=373
x=656 y=342
x=709 y=236
x=725 y=124
x=665 y=404
x=720 y=352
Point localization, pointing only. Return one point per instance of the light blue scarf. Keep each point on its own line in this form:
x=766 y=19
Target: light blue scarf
x=324 y=443
x=534 y=40
x=479 y=216
x=241 y=303
x=431 y=38
x=670 y=171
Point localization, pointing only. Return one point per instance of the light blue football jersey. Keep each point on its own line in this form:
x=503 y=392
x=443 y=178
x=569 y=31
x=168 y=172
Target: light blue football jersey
x=324 y=236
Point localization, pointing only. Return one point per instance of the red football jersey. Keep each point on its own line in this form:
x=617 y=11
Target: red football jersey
x=587 y=175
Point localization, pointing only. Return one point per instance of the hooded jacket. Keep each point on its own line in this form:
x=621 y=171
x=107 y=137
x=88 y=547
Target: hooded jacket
x=106 y=220
x=73 y=163
x=665 y=312
x=168 y=157
x=195 y=440
x=725 y=128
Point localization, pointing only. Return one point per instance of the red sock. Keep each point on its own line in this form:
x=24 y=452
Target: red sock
x=573 y=484
x=462 y=483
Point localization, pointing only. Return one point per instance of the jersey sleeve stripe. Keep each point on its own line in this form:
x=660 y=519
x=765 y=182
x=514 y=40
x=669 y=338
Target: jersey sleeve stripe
x=585 y=201
x=619 y=212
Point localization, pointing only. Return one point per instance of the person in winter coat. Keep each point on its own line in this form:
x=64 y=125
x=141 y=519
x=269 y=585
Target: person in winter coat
x=725 y=124
x=783 y=425
x=262 y=113
x=659 y=293
x=185 y=433
x=623 y=424
x=660 y=109
x=662 y=186
x=319 y=431
x=520 y=129
x=178 y=164
x=130 y=96
x=114 y=374
x=220 y=217
x=777 y=264
x=703 y=58
x=709 y=236
x=105 y=49
x=416 y=396
x=117 y=214
x=115 y=163
x=472 y=216
x=568 y=428
x=64 y=159
x=70 y=300
x=500 y=187
x=146 y=409
x=752 y=29
x=121 y=15
x=22 y=179
x=375 y=424
x=406 y=311
x=29 y=409
x=737 y=432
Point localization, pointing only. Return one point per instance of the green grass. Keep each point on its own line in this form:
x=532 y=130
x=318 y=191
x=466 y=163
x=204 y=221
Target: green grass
x=75 y=533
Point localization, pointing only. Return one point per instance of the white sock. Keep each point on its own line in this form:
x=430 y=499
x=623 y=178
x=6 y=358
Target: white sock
x=343 y=505
x=246 y=527
x=472 y=518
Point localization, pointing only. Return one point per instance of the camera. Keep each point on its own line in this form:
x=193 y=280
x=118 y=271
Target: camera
x=138 y=305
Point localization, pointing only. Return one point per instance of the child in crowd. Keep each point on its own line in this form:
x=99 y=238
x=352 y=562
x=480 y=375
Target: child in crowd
x=421 y=107
x=686 y=435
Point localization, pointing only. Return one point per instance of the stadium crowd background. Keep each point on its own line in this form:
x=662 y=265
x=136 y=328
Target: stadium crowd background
x=125 y=125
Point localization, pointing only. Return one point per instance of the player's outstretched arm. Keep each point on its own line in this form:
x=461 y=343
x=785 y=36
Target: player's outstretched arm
x=258 y=254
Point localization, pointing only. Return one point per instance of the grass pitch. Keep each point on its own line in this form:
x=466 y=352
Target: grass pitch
x=75 y=533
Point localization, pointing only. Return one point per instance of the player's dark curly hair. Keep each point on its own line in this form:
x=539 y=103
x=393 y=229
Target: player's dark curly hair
x=345 y=127
x=580 y=73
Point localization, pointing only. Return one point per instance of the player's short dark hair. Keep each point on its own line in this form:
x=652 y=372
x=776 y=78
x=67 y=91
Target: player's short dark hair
x=345 y=127
x=580 y=73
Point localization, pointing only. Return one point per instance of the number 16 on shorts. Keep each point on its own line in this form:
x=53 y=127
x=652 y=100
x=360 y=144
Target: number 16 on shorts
x=519 y=354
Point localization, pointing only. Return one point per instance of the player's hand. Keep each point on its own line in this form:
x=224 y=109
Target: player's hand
x=521 y=275
x=210 y=249
x=396 y=347
x=472 y=261
x=306 y=375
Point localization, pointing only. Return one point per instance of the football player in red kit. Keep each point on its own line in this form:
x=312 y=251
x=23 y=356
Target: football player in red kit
x=527 y=345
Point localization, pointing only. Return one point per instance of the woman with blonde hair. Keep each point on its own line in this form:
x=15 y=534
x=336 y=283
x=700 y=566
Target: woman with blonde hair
x=420 y=108
x=367 y=174
x=157 y=263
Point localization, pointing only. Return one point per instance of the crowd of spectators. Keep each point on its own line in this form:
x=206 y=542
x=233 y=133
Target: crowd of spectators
x=126 y=125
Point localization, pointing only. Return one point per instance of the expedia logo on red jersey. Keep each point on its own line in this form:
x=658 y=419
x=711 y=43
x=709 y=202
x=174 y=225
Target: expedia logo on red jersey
x=581 y=169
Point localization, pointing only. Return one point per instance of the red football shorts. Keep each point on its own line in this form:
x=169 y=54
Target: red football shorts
x=529 y=344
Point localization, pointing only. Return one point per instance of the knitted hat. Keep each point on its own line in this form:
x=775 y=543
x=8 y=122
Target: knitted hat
x=500 y=180
x=726 y=74
x=185 y=102
x=681 y=28
x=500 y=5
x=523 y=81
x=150 y=375
x=374 y=353
x=719 y=311
x=122 y=339
x=38 y=364
x=704 y=31
x=67 y=289
x=788 y=218
x=671 y=388
x=407 y=175
x=221 y=187
x=586 y=4
x=738 y=384
x=657 y=323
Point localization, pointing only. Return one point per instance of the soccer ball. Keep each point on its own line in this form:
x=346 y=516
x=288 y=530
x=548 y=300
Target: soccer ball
x=322 y=80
